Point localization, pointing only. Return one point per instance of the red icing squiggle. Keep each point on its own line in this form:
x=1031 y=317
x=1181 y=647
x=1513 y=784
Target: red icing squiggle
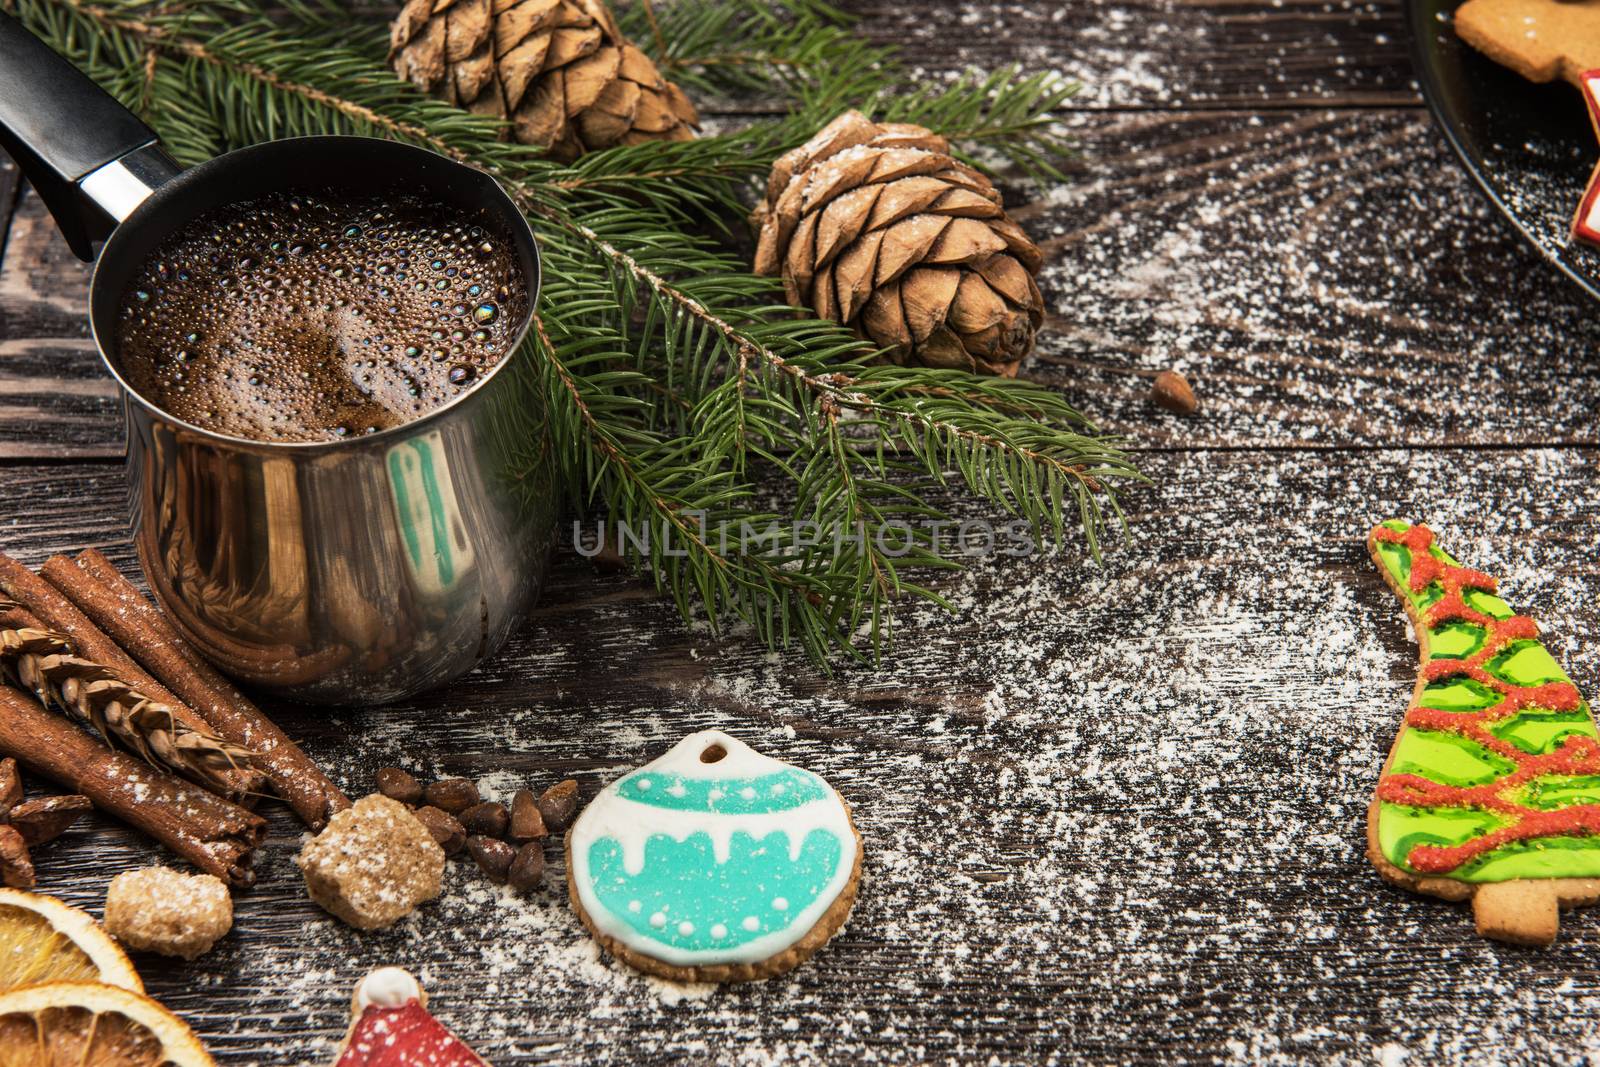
x=1577 y=755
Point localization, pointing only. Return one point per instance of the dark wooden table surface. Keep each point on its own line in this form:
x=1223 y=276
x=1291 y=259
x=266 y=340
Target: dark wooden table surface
x=1111 y=814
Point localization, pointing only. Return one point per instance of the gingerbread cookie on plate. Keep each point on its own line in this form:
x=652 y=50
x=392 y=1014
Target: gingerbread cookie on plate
x=1542 y=40
x=714 y=863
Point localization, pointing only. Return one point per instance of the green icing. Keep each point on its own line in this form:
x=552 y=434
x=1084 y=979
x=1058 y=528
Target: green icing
x=1440 y=554
x=1544 y=857
x=1448 y=759
x=1452 y=760
x=783 y=791
x=1402 y=828
x=1455 y=640
x=1397 y=559
x=1525 y=662
x=1487 y=603
x=1458 y=694
x=1541 y=731
x=1561 y=790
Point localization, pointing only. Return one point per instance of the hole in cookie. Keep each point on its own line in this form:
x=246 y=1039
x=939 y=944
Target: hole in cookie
x=712 y=753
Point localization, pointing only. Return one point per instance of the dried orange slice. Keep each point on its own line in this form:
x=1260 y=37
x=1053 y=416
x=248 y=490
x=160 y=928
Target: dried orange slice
x=44 y=940
x=71 y=1024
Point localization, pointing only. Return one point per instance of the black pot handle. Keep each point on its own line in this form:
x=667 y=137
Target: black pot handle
x=91 y=159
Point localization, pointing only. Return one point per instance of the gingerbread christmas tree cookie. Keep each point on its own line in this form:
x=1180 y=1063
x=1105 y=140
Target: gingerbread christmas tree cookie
x=714 y=863
x=1492 y=789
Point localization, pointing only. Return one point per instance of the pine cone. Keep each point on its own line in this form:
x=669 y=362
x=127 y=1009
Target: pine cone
x=877 y=226
x=560 y=70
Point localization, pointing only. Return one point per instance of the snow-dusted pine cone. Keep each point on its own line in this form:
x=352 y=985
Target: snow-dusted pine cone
x=560 y=70
x=877 y=226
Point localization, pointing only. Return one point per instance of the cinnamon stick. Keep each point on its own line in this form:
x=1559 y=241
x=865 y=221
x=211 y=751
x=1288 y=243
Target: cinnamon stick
x=56 y=612
x=278 y=664
x=213 y=834
x=101 y=591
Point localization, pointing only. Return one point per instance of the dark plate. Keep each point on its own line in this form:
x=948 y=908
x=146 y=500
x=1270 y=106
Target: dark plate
x=1529 y=147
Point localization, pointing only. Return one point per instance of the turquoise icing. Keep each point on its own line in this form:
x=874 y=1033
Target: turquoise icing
x=685 y=899
x=783 y=791
x=712 y=854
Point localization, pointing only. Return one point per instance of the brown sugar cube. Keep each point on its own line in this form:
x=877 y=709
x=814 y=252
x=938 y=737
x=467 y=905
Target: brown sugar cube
x=158 y=909
x=373 y=864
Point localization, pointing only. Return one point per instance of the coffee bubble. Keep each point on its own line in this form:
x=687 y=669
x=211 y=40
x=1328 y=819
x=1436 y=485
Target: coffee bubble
x=260 y=319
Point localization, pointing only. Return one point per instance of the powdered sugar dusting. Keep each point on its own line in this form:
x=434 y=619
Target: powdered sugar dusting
x=1113 y=810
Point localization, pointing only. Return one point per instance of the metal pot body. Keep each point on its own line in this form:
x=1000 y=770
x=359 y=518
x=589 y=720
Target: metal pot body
x=357 y=571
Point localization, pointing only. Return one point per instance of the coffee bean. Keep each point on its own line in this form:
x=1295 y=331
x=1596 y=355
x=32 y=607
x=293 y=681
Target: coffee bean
x=454 y=795
x=493 y=855
x=47 y=818
x=488 y=819
x=396 y=784
x=445 y=828
x=527 y=870
x=526 y=822
x=559 y=804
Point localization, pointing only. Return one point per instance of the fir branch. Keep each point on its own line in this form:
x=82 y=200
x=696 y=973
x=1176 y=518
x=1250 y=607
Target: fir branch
x=671 y=382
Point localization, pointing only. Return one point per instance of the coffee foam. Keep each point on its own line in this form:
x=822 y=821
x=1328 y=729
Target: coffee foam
x=319 y=316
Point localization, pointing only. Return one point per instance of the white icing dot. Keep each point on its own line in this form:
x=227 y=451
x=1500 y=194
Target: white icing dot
x=634 y=906
x=714 y=795
x=685 y=929
x=718 y=932
x=780 y=903
x=658 y=920
x=676 y=789
x=643 y=784
x=751 y=923
x=778 y=789
x=748 y=793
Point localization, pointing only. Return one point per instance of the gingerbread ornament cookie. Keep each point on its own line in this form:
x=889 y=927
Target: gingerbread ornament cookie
x=714 y=863
x=1492 y=789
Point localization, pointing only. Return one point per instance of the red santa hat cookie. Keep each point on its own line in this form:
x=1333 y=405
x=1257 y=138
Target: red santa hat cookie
x=392 y=1027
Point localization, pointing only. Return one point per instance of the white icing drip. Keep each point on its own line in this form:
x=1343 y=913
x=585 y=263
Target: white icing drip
x=631 y=824
x=387 y=987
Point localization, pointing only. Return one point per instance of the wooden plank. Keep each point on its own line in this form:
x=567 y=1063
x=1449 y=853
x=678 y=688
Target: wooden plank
x=1111 y=814
x=1146 y=53
x=1164 y=53
x=1236 y=247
